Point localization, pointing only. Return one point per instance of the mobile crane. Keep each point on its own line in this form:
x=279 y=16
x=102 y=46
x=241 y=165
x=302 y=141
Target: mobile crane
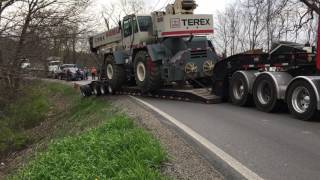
x=154 y=51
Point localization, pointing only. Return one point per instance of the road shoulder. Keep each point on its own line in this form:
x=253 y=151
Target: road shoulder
x=185 y=161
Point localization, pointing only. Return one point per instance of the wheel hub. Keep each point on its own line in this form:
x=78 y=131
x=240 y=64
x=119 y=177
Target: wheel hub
x=102 y=90
x=109 y=71
x=264 y=93
x=141 y=71
x=110 y=89
x=238 y=89
x=301 y=99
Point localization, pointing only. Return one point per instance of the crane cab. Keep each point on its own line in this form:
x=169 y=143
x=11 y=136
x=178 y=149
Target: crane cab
x=136 y=30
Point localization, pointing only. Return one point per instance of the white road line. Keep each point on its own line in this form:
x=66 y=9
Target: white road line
x=232 y=162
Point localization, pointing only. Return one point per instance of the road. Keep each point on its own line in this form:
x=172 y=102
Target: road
x=274 y=146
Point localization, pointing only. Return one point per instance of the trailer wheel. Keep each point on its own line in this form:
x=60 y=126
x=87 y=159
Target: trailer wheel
x=265 y=94
x=239 y=90
x=83 y=92
x=115 y=74
x=96 y=89
x=302 y=101
x=103 y=89
x=86 y=91
x=147 y=73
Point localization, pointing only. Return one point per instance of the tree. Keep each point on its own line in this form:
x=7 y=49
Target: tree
x=33 y=27
x=313 y=4
x=257 y=24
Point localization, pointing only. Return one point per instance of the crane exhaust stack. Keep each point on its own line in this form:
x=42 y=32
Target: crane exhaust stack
x=181 y=7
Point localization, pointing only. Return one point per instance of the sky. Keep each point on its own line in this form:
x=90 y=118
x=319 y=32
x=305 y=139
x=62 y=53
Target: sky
x=204 y=6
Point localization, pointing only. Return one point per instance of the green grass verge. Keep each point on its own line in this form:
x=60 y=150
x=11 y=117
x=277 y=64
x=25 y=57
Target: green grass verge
x=116 y=150
x=89 y=140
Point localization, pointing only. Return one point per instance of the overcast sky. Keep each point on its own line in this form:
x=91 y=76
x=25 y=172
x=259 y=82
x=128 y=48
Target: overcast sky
x=204 y=6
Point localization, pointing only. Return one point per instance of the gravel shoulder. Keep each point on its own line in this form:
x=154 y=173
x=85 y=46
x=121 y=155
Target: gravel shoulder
x=185 y=161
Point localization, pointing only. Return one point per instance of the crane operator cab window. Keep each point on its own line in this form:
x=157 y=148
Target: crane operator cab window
x=145 y=23
x=127 y=27
x=136 y=24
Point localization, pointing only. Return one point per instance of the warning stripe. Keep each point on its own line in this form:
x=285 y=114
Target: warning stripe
x=172 y=33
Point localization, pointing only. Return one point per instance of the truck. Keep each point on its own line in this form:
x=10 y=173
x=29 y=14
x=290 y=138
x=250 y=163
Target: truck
x=154 y=51
x=53 y=68
x=286 y=77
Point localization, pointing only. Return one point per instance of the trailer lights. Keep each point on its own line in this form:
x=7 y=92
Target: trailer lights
x=208 y=67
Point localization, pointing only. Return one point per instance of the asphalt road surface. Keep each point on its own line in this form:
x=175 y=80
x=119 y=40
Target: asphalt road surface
x=274 y=146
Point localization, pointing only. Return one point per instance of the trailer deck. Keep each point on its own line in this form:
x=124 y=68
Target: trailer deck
x=199 y=95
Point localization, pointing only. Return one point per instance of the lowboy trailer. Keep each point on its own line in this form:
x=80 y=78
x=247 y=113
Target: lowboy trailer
x=287 y=77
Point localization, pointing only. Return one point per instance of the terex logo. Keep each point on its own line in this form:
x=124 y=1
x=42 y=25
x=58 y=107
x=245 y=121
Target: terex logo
x=195 y=22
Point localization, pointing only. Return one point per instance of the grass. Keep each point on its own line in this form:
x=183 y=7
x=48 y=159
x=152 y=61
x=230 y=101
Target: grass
x=28 y=111
x=116 y=150
x=89 y=140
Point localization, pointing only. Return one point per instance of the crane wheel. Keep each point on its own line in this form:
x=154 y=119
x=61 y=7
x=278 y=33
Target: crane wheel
x=265 y=94
x=302 y=101
x=239 y=90
x=115 y=74
x=147 y=73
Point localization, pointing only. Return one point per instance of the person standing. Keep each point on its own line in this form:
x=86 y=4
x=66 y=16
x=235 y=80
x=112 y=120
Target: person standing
x=86 y=73
x=93 y=73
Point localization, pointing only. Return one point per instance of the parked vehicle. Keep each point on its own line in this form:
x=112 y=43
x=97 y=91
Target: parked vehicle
x=25 y=63
x=70 y=72
x=53 y=67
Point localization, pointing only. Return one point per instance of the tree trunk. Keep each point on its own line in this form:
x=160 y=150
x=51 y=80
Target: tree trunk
x=74 y=59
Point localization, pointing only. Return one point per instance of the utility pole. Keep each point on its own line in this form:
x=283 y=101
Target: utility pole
x=0 y=33
x=268 y=23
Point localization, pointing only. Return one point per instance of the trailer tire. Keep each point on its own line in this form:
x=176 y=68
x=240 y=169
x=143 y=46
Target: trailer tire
x=239 y=90
x=147 y=73
x=115 y=74
x=89 y=90
x=96 y=89
x=302 y=101
x=103 y=89
x=265 y=94
x=83 y=91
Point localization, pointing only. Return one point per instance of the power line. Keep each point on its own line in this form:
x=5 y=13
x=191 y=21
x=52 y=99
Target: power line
x=165 y=5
